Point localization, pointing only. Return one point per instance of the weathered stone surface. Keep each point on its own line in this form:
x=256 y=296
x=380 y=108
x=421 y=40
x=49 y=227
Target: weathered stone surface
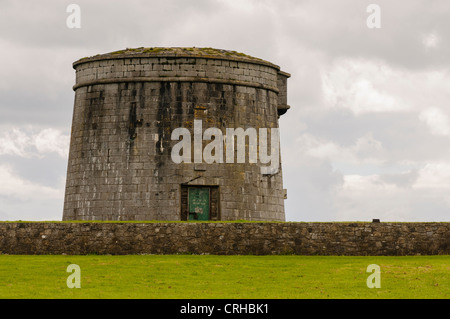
x=357 y=239
x=127 y=103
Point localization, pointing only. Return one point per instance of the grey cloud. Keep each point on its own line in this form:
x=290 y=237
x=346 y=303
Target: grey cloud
x=47 y=170
x=20 y=107
x=311 y=184
x=406 y=179
x=339 y=28
x=401 y=134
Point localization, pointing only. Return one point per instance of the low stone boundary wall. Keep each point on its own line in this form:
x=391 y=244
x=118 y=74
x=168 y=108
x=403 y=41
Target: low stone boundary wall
x=353 y=239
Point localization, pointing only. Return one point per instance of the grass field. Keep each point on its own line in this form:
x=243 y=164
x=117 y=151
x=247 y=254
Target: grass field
x=235 y=277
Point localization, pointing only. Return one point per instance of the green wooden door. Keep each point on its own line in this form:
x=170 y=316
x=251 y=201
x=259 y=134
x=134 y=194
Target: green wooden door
x=198 y=203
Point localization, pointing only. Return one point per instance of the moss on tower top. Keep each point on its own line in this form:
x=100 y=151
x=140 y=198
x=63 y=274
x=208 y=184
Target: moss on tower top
x=176 y=52
x=185 y=51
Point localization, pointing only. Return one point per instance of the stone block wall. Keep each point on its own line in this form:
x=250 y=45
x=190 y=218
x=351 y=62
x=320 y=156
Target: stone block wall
x=353 y=239
x=145 y=68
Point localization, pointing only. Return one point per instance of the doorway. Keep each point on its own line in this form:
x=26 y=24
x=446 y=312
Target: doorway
x=199 y=202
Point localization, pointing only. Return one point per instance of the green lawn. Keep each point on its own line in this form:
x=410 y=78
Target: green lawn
x=242 y=277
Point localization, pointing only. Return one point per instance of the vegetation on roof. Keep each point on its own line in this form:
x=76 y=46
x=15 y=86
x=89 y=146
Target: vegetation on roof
x=180 y=51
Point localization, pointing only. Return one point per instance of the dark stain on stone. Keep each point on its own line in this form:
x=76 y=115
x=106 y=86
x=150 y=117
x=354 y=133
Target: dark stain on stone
x=163 y=115
x=132 y=123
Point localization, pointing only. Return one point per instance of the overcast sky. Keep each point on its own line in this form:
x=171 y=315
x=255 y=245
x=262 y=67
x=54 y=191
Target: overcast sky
x=367 y=135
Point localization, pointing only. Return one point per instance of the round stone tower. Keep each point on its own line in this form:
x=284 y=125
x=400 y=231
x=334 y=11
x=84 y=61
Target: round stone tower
x=176 y=134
